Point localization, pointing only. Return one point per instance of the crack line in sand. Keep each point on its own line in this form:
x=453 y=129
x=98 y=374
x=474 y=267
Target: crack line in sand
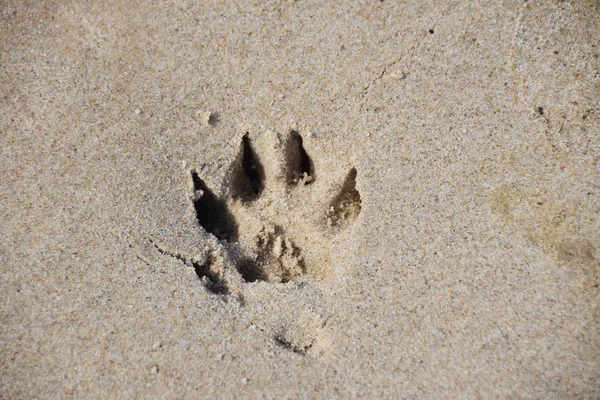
x=143 y=260
x=387 y=67
x=209 y=278
x=511 y=57
x=288 y=345
x=162 y=250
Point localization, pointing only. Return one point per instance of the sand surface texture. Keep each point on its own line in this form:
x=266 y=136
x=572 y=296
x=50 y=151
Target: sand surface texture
x=299 y=200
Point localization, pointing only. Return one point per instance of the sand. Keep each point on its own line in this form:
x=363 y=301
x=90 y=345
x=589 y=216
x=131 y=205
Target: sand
x=299 y=200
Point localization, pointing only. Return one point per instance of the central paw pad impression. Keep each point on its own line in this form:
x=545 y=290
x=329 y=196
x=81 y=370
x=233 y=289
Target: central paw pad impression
x=275 y=214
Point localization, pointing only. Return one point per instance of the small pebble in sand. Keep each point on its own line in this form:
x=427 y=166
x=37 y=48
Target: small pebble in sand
x=209 y=118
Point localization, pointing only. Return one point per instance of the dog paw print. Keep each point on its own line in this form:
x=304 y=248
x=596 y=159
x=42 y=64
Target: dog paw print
x=276 y=212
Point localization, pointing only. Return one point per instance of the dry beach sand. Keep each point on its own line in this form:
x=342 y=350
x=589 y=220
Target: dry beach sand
x=299 y=200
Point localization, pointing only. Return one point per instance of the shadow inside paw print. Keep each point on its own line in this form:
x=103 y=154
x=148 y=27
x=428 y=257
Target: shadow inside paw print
x=274 y=213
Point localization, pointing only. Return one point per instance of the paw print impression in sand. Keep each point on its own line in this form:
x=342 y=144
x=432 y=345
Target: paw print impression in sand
x=276 y=214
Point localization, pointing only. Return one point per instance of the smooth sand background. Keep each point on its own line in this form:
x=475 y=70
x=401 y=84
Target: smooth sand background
x=471 y=271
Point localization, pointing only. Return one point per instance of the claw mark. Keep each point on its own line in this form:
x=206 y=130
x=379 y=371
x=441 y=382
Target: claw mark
x=346 y=206
x=247 y=173
x=299 y=165
x=211 y=212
